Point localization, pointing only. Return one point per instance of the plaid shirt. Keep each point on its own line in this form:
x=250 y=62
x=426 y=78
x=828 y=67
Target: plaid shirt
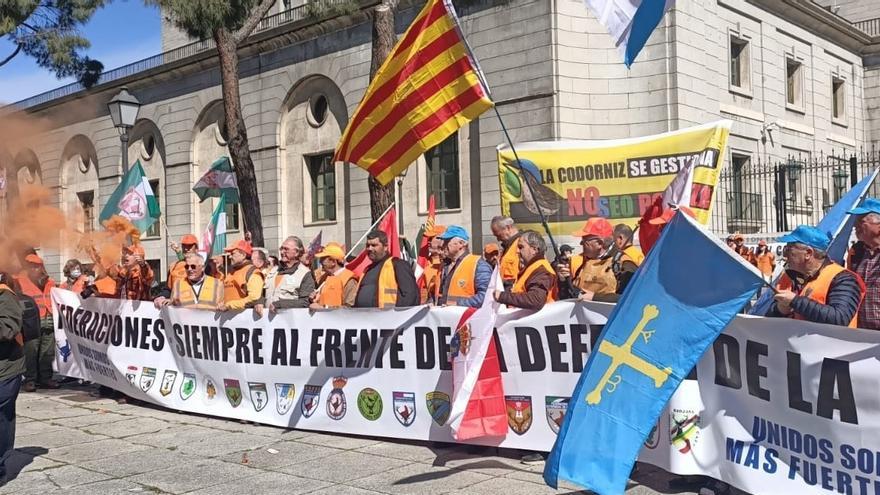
x=867 y=265
x=135 y=286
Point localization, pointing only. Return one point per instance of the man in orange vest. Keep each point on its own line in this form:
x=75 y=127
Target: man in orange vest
x=388 y=282
x=504 y=229
x=243 y=284
x=188 y=244
x=765 y=260
x=465 y=276
x=491 y=253
x=536 y=283
x=75 y=278
x=134 y=279
x=11 y=367
x=196 y=290
x=429 y=282
x=39 y=353
x=293 y=284
x=815 y=288
x=339 y=285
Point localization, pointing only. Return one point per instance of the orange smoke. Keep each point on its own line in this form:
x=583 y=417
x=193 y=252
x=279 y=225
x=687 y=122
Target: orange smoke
x=31 y=221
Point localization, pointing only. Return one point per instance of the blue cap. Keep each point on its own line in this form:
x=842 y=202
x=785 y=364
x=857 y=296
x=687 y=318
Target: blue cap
x=810 y=236
x=454 y=231
x=869 y=205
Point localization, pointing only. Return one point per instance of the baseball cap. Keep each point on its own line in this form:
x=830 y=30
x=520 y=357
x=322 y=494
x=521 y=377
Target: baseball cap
x=189 y=239
x=807 y=235
x=669 y=213
x=595 y=227
x=869 y=205
x=242 y=245
x=332 y=250
x=491 y=248
x=33 y=258
x=434 y=231
x=454 y=231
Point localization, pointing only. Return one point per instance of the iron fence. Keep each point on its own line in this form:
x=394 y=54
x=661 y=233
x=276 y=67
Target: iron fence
x=776 y=196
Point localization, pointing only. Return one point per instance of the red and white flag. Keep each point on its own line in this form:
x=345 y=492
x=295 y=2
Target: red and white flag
x=677 y=193
x=388 y=224
x=478 y=408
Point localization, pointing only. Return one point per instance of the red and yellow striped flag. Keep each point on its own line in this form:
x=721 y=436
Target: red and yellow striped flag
x=426 y=89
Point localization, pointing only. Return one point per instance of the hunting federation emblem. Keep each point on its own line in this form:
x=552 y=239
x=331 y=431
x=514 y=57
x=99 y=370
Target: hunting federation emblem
x=233 y=391
x=168 y=380
x=461 y=341
x=148 y=377
x=210 y=388
x=405 y=407
x=131 y=374
x=336 y=406
x=684 y=429
x=188 y=386
x=259 y=395
x=309 y=401
x=369 y=403
x=284 y=393
x=133 y=205
x=555 y=408
x=438 y=406
x=519 y=413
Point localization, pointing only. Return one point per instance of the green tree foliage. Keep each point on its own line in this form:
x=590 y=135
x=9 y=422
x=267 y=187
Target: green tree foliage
x=48 y=31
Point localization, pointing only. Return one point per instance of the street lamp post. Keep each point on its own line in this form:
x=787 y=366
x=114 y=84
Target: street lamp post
x=124 y=108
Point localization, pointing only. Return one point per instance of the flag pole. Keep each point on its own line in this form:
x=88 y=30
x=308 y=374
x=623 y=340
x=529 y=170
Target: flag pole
x=451 y=9
x=358 y=243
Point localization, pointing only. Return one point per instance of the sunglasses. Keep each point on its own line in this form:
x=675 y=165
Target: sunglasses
x=191 y=267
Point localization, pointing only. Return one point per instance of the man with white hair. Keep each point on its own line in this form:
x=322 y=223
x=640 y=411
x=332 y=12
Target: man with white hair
x=196 y=290
x=293 y=285
x=864 y=260
x=465 y=276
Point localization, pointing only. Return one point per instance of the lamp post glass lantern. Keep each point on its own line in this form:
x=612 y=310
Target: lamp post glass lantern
x=124 y=108
x=839 y=177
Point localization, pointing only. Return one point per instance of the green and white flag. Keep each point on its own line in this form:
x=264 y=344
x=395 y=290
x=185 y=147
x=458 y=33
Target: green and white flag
x=217 y=181
x=214 y=238
x=133 y=199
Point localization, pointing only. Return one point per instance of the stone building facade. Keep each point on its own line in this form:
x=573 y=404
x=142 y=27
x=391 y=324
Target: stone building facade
x=792 y=68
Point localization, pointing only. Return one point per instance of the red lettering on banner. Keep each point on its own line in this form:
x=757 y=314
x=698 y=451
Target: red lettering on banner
x=575 y=202
x=591 y=201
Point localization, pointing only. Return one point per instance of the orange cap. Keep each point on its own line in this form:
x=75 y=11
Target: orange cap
x=332 y=250
x=668 y=214
x=189 y=239
x=243 y=246
x=33 y=258
x=491 y=248
x=435 y=231
x=595 y=227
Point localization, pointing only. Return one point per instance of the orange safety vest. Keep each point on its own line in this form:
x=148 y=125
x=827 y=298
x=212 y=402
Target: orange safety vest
x=333 y=289
x=235 y=283
x=520 y=286
x=76 y=286
x=634 y=254
x=430 y=280
x=387 y=289
x=177 y=272
x=209 y=297
x=596 y=276
x=575 y=264
x=106 y=287
x=509 y=263
x=42 y=298
x=461 y=283
x=817 y=288
x=766 y=263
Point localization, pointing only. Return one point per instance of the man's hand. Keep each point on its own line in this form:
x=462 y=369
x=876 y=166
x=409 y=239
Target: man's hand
x=222 y=307
x=496 y=294
x=258 y=309
x=174 y=247
x=586 y=295
x=315 y=305
x=563 y=271
x=783 y=300
x=272 y=309
x=160 y=302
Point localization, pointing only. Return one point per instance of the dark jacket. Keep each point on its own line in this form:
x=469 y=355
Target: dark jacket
x=11 y=340
x=841 y=304
x=535 y=296
x=407 y=290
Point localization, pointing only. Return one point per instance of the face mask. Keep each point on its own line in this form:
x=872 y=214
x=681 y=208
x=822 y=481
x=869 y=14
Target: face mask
x=75 y=273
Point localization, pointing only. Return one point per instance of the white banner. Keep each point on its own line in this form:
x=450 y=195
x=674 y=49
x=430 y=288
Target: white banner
x=809 y=392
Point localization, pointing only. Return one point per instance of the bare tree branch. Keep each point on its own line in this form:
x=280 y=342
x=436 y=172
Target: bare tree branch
x=10 y=57
x=251 y=23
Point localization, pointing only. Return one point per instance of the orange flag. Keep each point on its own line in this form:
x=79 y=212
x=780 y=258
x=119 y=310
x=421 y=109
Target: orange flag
x=428 y=87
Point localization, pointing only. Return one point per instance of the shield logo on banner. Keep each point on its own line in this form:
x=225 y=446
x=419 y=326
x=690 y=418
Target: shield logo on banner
x=461 y=341
x=168 y=380
x=259 y=395
x=148 y=377
x=684 y=429
x=653 y=439
x=370 y=404
x=233 y=391
x=210 y=388
x=519 y=413
x=555 y=408
x=438 y=406
x=188 y=386
x=405 y=407
x=131 y=374
x=336 y=405
x=311 y=397
x=284 y=393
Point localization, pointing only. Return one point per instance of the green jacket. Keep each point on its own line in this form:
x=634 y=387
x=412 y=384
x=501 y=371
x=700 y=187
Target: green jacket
x=11 y=351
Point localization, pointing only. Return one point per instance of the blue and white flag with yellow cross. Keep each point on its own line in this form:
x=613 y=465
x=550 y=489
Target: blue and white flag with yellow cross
x=688 y=289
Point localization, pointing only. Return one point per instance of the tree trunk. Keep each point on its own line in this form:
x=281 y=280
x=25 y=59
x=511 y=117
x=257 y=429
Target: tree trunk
x=381 y=196
x=237 y=138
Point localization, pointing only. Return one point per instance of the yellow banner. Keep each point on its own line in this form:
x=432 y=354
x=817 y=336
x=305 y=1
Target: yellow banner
x=618 y=179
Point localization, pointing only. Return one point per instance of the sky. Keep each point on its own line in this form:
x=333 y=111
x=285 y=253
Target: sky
x=122 y=32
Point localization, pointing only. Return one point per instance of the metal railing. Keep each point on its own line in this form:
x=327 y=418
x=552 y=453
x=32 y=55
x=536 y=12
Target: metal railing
x=295 y=14
x=869 y=26
x=777 y=196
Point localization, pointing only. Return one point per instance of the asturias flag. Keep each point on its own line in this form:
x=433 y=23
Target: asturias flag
x=214 y=238
x=426 y=89
x=667 y=317
x=218 y=180
x=133 y=199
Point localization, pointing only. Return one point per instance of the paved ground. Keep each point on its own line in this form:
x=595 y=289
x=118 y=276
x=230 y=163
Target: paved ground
x=68 y=441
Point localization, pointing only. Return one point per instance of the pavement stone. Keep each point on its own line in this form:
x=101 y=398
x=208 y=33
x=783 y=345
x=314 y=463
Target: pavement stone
x=338 y=441
x=343 y=490
x=417 y=478
x=109 y=487
x=509 y=486
x=24 y=461
x=34 y=426
x=131 y=427
x=266 y=483
x=141 y=461
x=33 y=482
x=52 y=410
x=68 y=476
x=95 y=417
x=173 y=437
x=289 y=453
x=220 y=444
x=192 y=476
x=55 y=437
x=101 y=449
x=343 y=467
x=405 y=451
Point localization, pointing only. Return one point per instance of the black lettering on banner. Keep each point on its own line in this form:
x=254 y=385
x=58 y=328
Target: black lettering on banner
x=257 y=345
x=835 y=375
x=795 y=383
x=158 y=335
x=93 y=325
x=317 y=339
x=350 y=347
x=556 y=347
x=579 y=346
x=195 y=335
x=84 y=322
x=101 y=332
x=727 y=366
x=227 y=341
x=293 y=358
x=530 y=349
x=279 y=348
x=145 y=333
x=211 y=343
x=242 y=346
x=501 y=362
x=332 y=350
x=444 y=334
x=394 y=350
x=116 y=334
x=187 y=334
x=425 y=358
x=384 y=335
x=368 y=341
x=754 y=370
x=178 y=342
